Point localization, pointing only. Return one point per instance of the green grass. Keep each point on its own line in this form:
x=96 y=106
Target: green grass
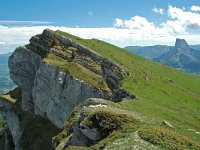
x=77 y=71
x=113 y=124
x=167 y=139
x=157 y=98
x=121 y=130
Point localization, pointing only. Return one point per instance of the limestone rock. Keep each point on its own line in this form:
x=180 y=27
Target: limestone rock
x=165 y=123
x=23 y=65
x=13 y=122
x=56 y=93
x=93 y=134
x=52 y=92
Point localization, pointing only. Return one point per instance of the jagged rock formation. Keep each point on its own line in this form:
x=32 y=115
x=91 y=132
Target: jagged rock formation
x=56 y=74
x=51 y=91
x=10 y=114
x=182 y=57
x=91 y=122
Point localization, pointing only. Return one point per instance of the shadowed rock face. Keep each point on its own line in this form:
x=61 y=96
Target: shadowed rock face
x=26 y=129
x=181 y=44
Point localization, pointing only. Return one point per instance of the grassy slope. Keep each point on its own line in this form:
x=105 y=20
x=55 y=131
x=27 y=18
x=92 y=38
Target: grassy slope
x=163 y=92
x=78 y=71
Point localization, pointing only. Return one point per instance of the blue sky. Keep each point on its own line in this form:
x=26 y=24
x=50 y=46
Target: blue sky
x=121 y=22
x=72 y=13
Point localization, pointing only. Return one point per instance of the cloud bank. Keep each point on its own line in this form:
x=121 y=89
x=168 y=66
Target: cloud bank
x=135 y=30
x=195 y=8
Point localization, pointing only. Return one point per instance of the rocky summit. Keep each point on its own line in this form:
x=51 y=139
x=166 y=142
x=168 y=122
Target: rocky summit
x=181 y=44
x=76 y=94
x=182 y=57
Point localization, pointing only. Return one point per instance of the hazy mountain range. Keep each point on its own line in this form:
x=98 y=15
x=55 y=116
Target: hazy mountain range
x=181 y=56
x=5 y=82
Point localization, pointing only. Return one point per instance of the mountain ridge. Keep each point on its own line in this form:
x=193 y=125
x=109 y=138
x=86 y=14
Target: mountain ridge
x=64 y=80
x=166 y=55
x=182 y=56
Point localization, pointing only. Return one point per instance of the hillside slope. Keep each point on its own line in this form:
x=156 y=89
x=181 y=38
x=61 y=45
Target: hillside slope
x=149 y=52
x=157 y=107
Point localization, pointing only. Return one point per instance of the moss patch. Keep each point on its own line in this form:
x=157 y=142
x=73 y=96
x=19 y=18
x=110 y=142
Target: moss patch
x=113 y=125
x=167 y=138
x=108 y=121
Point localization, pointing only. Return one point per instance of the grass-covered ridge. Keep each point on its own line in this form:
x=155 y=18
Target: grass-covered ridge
x=162 y=93
x=120 y=129
x=77 y=71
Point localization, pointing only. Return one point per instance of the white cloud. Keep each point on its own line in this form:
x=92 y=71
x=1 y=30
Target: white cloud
x=185 y=18
x=90 y=13
x=2 y=43
x=149 y=34
x=178 y=22
x=137 y=29
x=195 y=8
x=118 y=22
x=158 y=10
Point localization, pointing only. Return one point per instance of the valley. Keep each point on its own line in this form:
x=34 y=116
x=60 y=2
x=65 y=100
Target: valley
x=5 y=82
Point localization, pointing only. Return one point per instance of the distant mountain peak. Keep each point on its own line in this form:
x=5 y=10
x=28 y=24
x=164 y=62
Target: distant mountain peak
x=181 y=44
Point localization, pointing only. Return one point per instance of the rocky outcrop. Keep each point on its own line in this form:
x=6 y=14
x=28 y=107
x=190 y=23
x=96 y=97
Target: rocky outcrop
x=54 y=75
x=181 y=44
x=26 y=129
x=23 y=65
x=55 y=93
x=93 y=121
x=11 y=116
x=49 y=42
x=51 y=91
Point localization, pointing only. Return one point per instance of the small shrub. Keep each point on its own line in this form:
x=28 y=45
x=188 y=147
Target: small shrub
x=54 y=42
x=108 y=121
x=167 y=138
